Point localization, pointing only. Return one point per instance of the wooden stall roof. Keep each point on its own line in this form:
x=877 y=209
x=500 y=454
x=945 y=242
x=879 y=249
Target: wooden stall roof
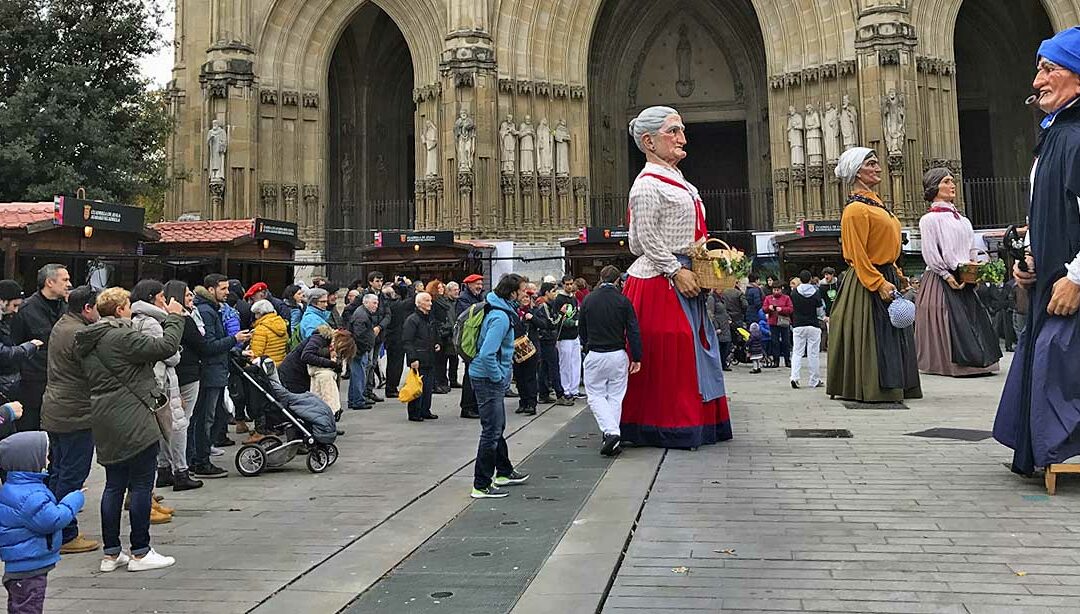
x=462 y=244
x=233 y=232
x=38 y=217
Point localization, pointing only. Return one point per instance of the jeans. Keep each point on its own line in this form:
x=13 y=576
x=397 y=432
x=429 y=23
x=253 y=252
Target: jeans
x=452 y=367
x=26 y=595
x=136 y=475
x=441 y=358
x=525 y=376
x=357 y=379
x=395 y=366
x=548 y=376
x=72 y=456
x=808 y=341
x=420 y=407
x=198 y=449
x=781 y=344
x=492 y=456
x=369 y=373
x=725 y=353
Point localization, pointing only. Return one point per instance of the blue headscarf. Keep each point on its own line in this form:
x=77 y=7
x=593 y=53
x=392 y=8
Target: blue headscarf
x=1062 y=49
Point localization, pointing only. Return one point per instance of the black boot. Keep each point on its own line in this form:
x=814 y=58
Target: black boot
x=164 y=477
x=469 y=413
x=182 y=480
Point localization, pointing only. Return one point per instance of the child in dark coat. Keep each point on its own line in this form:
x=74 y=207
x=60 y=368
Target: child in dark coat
x=31 y=521
x=755 y=349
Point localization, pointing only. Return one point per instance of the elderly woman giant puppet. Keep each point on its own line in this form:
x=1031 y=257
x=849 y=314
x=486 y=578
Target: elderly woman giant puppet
x=1039 y=413
x=869 y=359
x=677 y=398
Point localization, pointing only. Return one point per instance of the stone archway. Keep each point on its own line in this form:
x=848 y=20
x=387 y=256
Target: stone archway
x=370 y=133
x=995 y=46
x=706 y=58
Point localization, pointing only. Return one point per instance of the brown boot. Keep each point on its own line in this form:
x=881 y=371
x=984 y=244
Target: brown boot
x=157 y=517
x=161 y=509
x=241 y=427
x=254 y=437
x=78 y=545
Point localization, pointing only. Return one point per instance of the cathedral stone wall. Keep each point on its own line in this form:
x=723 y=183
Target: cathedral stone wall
x=506 y=118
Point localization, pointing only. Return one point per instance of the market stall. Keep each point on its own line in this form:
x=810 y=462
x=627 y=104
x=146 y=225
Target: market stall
x=426 y=255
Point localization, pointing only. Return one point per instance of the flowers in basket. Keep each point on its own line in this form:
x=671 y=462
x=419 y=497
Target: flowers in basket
x=718 y=268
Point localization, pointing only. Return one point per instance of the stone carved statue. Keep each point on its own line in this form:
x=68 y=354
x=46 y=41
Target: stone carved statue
x=831 y=127
x=431 y=142
x=562 y=149
x=508 y=137
x=684 y=59
x=544 y=146
x=893 y=111
x=795 y=128
x=813 y=136
x=465 y=133
x=527 y=134
x=217 y=141
x=849 y=124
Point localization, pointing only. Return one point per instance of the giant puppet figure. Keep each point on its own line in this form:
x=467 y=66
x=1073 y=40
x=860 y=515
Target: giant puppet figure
x=1039 y=413
x=677 y=399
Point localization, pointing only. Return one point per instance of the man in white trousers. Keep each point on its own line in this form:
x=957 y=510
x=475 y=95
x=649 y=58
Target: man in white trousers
x=809 y=304
x=607 y=325
x=569 y=347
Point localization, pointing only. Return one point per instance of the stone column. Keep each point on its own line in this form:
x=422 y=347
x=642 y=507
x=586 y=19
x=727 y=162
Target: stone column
x=885 y=44
x=781 y=200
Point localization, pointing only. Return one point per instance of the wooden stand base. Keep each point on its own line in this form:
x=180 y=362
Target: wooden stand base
x=1052 y=472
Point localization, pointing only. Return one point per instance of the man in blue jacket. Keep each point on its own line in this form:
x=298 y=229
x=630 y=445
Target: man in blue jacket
x=490 y=372
x=214 y=376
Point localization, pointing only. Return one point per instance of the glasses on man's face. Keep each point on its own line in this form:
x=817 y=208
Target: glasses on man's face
x=322 y=302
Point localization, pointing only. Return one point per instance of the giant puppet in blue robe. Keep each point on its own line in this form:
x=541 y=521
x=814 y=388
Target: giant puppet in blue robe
x=1039 y=413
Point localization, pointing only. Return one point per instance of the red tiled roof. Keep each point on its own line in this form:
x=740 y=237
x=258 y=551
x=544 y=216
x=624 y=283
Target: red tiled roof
x=20 y=215
x=206 y=231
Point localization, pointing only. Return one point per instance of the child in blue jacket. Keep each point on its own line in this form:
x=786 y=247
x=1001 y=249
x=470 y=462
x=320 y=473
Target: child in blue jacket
x=31 y=521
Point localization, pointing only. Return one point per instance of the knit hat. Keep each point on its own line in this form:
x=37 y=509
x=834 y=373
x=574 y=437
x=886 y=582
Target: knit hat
x=24 y=451
x=10 y=290
x=261 y=308
x=1063 y=49
x=256 y=287
x=931 y=180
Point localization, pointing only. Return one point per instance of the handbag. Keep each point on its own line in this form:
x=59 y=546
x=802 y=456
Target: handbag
x=413 y=388
x=783 y=321
x=162 y=413
x=524 y=349
x=901 y=312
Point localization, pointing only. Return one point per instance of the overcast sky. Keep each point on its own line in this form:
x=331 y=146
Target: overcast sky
x=158 y=67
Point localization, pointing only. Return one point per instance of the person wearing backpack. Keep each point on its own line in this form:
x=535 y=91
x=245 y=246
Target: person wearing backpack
x=472 y=294
x=490 y=371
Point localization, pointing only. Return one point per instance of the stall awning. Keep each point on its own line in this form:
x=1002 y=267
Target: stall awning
x=21 y=215
x=231 y=232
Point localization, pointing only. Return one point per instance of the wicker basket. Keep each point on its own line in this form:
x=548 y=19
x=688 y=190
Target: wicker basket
x=968 y=273
x=701 y=260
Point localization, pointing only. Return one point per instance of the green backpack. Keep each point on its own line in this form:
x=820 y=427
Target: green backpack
x=467 y=330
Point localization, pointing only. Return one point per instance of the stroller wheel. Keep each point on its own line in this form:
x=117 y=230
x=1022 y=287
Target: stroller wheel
x=250 y=460
x=269 y=442
x=331 y=454
x=317 y=460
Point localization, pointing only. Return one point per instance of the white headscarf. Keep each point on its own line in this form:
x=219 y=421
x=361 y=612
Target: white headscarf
x=850 y=162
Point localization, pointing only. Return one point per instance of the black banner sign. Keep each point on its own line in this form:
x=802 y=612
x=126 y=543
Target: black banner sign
x=604 y=234
x=825 y=228
x=71 y=211
x=275 y=230
x=403 y=238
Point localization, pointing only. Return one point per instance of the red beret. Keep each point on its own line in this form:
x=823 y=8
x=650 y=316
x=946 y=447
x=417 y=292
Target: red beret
x=472 y=278
x=256 y=287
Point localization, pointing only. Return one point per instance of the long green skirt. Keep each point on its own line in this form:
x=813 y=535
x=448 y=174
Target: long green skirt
x=853 y=353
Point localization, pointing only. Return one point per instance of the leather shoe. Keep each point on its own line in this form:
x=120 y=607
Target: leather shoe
x=376 y=398
x=415 y=419
x=470 y=413
x=430 y=416
x=441 y=390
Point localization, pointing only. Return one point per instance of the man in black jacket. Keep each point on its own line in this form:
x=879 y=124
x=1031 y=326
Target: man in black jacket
x=35 y=320
x=420 y=339
x=608 y=325
x=381 y=320
x=546 y=322
x=809 y=311
x=566 y=305
x=214 y=375
x=362 y=325
x=400 y=300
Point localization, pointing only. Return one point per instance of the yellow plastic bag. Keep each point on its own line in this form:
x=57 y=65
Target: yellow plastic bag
x=413 y=388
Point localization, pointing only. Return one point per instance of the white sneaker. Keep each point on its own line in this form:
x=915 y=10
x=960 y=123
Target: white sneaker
x=216 y=451
x=152 y=560
x=108 y=564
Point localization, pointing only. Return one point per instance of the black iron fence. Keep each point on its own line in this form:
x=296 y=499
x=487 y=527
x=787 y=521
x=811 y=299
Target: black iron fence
x=725 y=210
x=994 y=202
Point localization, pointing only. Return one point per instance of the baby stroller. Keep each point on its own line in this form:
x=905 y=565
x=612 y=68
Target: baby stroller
x=739 y=350
x=297 y=421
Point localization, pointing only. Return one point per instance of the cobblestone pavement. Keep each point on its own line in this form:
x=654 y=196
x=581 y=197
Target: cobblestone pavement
x=880 y=522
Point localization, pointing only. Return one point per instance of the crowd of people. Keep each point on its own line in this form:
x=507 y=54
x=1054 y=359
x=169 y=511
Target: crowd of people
x=148 y=380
